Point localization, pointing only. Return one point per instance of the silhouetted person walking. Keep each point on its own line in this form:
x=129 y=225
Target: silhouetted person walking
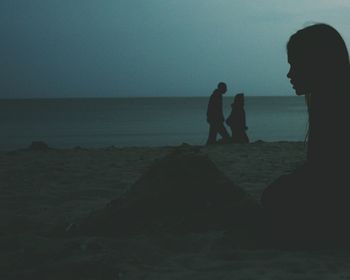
x=215 y=116
x=313 y=203
x=236 y=121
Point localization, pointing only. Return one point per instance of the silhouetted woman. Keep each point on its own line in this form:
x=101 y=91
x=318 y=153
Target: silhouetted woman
x=236 y=120
x=312 y=204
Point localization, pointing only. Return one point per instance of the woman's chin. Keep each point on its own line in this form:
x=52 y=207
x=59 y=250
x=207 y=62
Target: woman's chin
x=299 y=92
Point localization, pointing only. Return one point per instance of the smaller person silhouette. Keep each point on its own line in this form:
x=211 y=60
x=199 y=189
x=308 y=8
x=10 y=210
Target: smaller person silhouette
x=236 y=121
x=215 y=116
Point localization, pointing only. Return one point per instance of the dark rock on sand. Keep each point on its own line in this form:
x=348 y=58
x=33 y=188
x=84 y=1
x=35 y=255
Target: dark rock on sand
x=38 y=146
x=183 y=192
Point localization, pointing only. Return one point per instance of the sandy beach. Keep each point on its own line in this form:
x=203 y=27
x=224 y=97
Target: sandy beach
x=49 y=189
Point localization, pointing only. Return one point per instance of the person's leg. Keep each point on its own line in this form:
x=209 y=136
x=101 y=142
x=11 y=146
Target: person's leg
x=241 y=137
x=222 y=131
x=212 y=134
x=231 y=128
x=234 y=136
x=246 y=138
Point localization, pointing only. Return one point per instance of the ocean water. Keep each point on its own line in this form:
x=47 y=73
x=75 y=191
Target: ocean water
x=103 y=122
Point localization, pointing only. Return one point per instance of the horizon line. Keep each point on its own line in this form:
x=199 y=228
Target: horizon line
x=130 y=97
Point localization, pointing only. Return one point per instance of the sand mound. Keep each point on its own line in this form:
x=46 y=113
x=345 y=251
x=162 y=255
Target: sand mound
x=183 y=192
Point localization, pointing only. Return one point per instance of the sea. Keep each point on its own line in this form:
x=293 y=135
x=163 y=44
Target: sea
x=126 y=122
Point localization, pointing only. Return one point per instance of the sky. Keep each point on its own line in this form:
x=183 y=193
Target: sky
x=153 y=48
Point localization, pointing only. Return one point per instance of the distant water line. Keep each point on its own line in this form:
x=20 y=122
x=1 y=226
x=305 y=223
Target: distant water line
x=102 y=122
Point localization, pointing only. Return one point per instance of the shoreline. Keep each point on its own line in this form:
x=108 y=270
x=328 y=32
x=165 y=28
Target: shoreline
x=79 y=147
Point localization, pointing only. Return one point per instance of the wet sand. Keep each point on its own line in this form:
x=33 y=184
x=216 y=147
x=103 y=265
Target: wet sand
x=46 y=190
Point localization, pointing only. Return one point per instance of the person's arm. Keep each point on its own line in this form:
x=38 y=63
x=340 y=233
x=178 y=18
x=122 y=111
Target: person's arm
x=244 y=121
x=212 y=107
x=220 y=109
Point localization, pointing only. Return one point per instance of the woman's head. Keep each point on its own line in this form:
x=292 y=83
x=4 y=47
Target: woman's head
x=239 y=100
x=318 y=59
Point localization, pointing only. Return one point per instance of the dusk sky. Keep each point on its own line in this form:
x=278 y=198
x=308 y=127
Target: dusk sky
x=121 y=48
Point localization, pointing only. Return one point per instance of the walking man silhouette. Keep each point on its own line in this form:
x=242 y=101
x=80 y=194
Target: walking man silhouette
x=215 y=116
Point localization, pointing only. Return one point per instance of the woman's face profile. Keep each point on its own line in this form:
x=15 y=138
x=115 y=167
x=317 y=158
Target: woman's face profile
x=300 y=76
x=318 y=59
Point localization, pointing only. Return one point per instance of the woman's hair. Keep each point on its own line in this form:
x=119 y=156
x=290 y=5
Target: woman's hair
x=322 y=52
x=238 y=101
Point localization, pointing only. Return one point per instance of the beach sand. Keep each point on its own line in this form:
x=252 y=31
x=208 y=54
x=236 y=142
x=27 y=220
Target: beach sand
x=43 y=191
